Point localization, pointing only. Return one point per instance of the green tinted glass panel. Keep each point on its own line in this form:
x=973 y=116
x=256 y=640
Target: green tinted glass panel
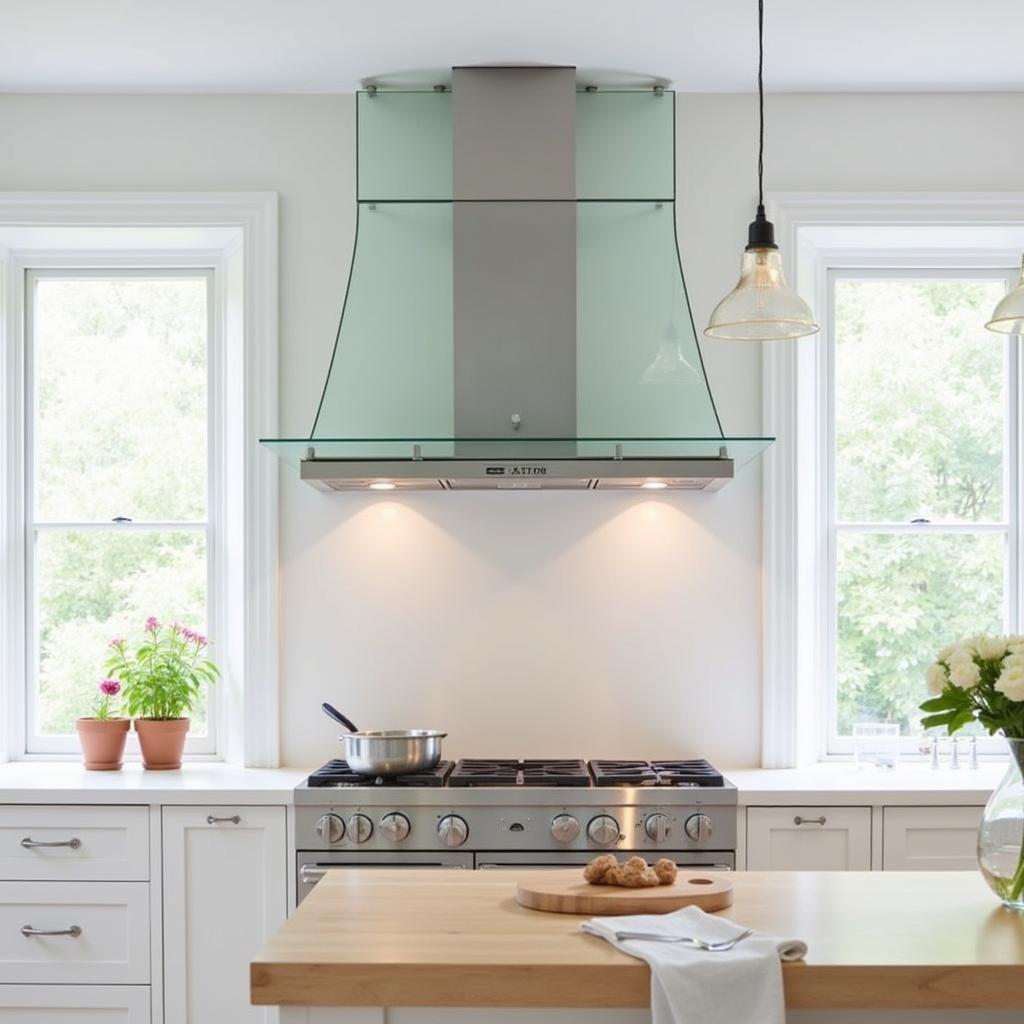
x=405 y=145
x=639 y=370
x=391 y=375
x=625 y=145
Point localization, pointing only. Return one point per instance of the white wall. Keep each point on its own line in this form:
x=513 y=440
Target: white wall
x=525 y=624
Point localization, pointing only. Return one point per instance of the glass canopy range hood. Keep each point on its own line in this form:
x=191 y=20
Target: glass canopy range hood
x=516 y=315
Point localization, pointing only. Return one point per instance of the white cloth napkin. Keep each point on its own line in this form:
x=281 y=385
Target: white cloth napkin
x=692 y=986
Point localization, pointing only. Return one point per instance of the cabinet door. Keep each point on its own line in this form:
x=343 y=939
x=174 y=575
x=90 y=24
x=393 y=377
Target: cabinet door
x=225 y=893
x=930 y=838
x=808 y=838
x=74 y=1004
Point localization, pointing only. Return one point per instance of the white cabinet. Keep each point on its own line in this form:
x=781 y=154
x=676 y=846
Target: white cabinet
x=930 y=838
x=74 y=1004
x=71 y=842
x=808 y=838
x=225 y=892
x=74 y=933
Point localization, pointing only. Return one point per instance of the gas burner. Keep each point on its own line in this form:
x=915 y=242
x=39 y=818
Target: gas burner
x=338 y=774
x=476 y=772
x=655 y=773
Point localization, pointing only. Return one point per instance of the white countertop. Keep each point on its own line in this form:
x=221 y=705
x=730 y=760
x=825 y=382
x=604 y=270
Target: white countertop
x=842 y=783
x=195 y=783
x=205 y=782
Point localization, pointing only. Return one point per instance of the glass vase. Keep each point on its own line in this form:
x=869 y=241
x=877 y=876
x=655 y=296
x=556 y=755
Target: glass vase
x=1001 y=834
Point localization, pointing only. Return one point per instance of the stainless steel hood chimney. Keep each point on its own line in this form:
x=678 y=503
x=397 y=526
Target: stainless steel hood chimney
x=516 y=315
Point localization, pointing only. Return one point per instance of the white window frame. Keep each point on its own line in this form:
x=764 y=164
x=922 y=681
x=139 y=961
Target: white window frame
x=235 y=236
x=94 y=265
x=819 y=232
x=894 y=268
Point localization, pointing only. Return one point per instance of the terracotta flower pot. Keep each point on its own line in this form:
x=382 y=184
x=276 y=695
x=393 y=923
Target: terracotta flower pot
x=162 y=740
x=102 y=742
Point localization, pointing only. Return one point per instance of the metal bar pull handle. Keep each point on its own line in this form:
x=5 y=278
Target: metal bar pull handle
x=31 y=844
x=310 y=875
x=809 y=821
x=234 y=819
x=28 y=931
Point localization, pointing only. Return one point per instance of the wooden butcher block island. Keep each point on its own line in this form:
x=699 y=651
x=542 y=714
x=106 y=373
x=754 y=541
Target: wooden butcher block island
x=877 y=940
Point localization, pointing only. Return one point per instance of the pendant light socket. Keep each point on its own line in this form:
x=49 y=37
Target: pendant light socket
x=761 y=232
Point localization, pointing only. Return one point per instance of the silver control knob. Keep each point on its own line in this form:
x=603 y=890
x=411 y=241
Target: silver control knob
x=565 y=828
x=452 y=830
x=658 y=827
x=359 y=828
x=394 y=827
x=603 y=830
x=330 y=828
x=698 y=828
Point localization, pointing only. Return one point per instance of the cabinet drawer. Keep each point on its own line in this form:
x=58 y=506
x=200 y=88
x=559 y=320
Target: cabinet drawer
x=111 y=946
x=930 y=838
x=74 y=1004
x=95 y=843
x=808 y=838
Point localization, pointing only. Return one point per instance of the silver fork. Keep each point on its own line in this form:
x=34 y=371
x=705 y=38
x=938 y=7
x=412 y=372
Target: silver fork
x=710 y=947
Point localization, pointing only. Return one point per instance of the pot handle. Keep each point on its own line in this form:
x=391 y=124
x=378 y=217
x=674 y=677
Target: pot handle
x=334 y=714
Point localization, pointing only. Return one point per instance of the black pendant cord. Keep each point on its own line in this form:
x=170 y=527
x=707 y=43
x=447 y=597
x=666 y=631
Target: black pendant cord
x=761 y=234
x=760 y=103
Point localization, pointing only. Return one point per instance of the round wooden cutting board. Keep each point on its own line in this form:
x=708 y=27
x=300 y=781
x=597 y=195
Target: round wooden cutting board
x=565 y=892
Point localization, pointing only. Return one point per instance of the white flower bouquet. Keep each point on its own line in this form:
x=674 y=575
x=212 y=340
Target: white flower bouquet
x=980 y=679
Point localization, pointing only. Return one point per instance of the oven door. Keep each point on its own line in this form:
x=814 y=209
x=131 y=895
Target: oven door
x=312 y=866
x=716 y=860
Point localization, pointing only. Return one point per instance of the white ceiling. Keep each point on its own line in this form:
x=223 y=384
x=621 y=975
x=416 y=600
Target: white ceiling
x=334 y=45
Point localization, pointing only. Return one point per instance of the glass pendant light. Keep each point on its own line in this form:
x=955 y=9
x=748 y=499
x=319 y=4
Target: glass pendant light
x=761 y=307
x=1008 y=316
x=669 y=366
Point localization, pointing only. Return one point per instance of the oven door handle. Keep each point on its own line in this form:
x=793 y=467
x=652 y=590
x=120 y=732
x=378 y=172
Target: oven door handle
x=310 y=874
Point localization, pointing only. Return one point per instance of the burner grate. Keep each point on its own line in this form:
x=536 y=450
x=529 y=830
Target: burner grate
x=338 y=774
x=536 y=772
x=655 y=773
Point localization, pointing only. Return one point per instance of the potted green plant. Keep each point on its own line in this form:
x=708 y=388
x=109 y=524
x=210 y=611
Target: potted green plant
x=103 y=736
x=162 y=679
x=981 y=679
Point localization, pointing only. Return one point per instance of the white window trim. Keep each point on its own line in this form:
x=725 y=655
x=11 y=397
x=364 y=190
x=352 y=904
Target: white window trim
x=97 y=264
x=236 y=233
x=817 y=230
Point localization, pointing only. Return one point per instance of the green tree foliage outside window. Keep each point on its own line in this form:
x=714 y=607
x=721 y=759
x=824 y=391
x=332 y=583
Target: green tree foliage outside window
x=920 y=406
x=121 y=430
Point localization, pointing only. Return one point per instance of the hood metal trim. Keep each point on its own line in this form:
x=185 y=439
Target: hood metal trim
x=573 y=474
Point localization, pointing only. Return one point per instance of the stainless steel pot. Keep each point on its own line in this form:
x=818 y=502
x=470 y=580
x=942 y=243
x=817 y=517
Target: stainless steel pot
x=387 y=751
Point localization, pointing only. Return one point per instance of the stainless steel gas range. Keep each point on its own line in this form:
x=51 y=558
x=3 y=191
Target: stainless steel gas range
x=513 y=814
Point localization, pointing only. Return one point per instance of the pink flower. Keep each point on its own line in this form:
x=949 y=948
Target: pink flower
x=188 y=634
x=200 y=640
x=117 y=642
x=110 y=687
x=151 y=624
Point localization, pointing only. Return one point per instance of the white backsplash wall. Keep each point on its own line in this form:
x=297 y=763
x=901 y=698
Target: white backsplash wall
x=524 y=624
